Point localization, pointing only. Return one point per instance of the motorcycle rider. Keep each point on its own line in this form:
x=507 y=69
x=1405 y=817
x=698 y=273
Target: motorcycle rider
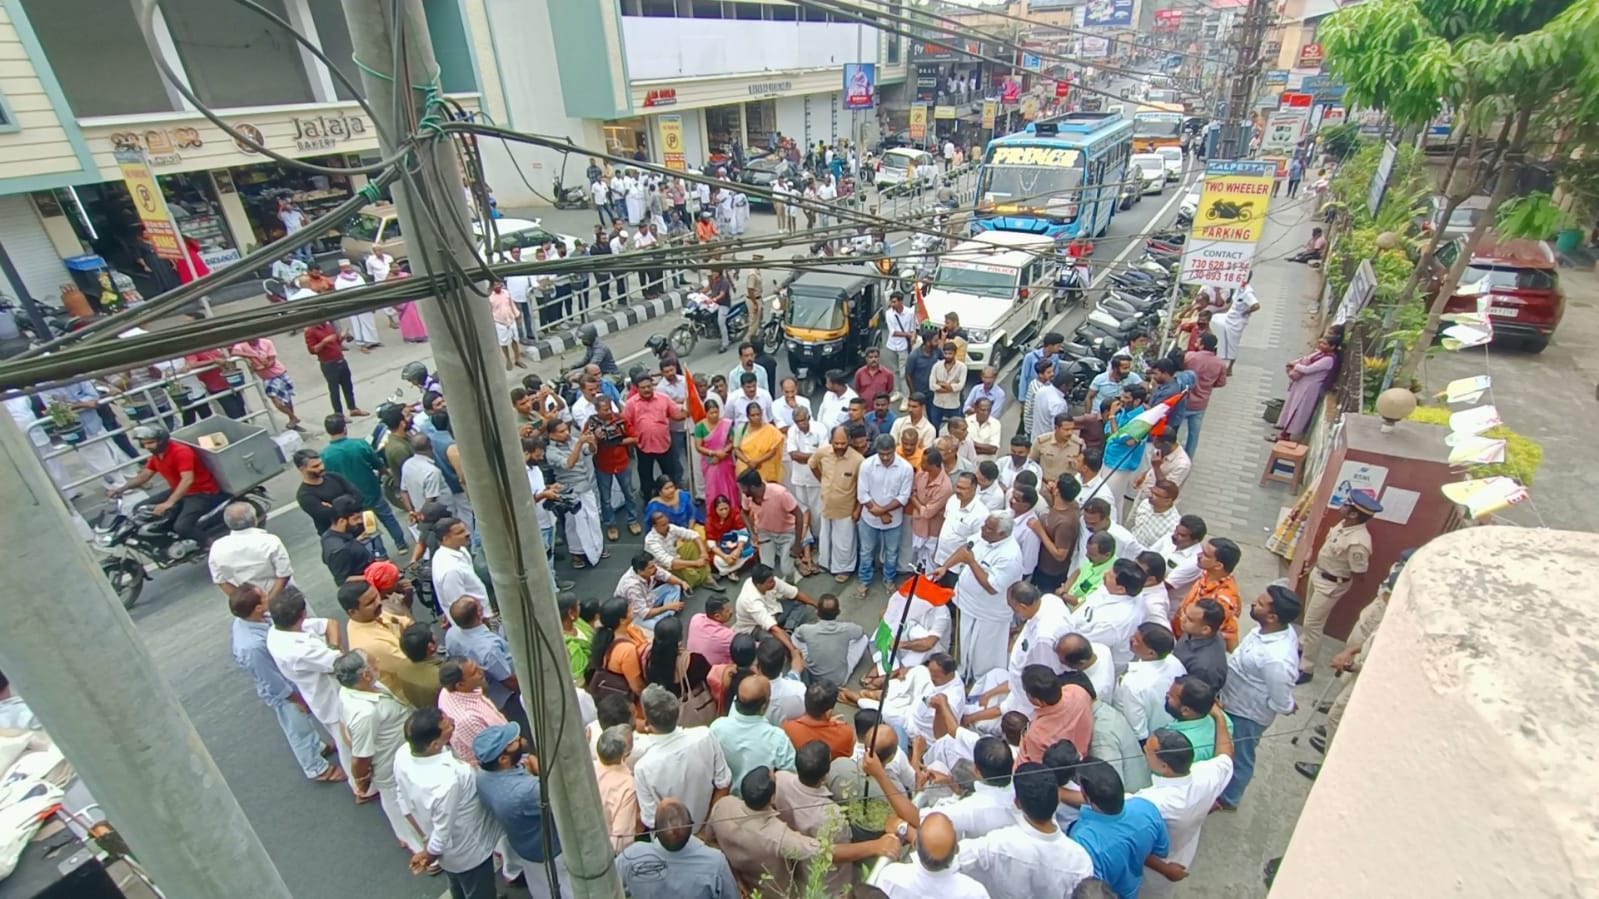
x=193 y=491
x=595 y=351
x=416 y=374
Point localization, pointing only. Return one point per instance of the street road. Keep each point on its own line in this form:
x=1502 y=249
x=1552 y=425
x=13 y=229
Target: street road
x=323 y=844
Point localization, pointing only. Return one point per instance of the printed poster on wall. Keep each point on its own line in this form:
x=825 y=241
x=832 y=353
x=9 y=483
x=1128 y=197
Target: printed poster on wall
x=672 y=142
x=1108 y=13
x=1228 y=223
x=149 y=203
x=860 y=84
x=918 y=124
x=990 y=113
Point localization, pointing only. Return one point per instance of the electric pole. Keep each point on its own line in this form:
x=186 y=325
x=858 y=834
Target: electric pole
x=1248 y=36
x=71 y=651
x=468 y=360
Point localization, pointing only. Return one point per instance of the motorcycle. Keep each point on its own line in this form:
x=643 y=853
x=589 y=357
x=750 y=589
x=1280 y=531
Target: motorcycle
x=574 y=197
x=1228 y=209
x=1136 y=282
x=1071 y=284
x=135 y=540
x=700 y=324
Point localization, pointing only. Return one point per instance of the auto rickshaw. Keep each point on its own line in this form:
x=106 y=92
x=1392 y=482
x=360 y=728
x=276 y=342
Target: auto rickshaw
x=829 y=319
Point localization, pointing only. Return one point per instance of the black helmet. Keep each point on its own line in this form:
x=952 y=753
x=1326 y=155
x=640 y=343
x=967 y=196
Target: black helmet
x=415 y=373
x=156 y=432
x=656 y=343
x=588 y=334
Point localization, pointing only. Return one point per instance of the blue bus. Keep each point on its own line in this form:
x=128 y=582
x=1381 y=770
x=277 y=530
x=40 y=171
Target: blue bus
x=1060 y=177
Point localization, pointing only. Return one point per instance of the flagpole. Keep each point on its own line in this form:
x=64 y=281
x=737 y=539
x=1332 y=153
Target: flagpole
x=893 y=652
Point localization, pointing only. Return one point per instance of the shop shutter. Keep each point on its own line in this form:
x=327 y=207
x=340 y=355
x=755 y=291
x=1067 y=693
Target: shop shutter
x=30 y=250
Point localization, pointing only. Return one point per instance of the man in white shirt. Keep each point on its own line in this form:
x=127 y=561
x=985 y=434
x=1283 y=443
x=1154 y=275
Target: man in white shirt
x=984 y=431
x=767 y=604
x=804 y=441
x=249 y=555
x=374 y=719
x=420 y=478
x=932 y=872
x=907 y=702
x=993 y=563
x=834 y=407
x=1183 y=791
x=1099 y=514
x=304 y=650
x=743 y=395
x=1048 y=402
x=1261 y=674
x=991 y=805
x=898 y=333
x=964 y=515
x=1077 y=653
x=454 y=575
x=439 y=795
x=1044 y=621
x=1031 y=858
x=883 y=488
x=1141 y=694
x=1181 y=549
x=684 y=763
x=927 y=630
x=1112 y=612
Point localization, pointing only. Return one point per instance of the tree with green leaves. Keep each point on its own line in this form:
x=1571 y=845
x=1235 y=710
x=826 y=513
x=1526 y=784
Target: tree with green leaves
x=1506 y=69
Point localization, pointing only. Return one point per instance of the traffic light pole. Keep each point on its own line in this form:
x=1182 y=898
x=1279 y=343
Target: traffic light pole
x=467 y=356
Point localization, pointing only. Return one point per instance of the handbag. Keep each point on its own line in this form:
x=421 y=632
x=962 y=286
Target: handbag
x=696 y=706
x=605 y=682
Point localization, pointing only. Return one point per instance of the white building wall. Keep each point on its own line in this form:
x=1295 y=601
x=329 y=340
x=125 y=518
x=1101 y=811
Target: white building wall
x=660 y=48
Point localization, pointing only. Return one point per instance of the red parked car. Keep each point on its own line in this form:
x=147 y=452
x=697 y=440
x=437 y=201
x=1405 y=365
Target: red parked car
x=1525 y=303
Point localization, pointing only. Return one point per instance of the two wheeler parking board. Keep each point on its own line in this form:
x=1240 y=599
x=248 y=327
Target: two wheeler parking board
x=1228 y=223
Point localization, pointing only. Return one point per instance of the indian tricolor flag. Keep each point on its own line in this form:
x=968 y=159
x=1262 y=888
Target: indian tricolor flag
x=898 y=609
x=695 y=405
x=1151 y=421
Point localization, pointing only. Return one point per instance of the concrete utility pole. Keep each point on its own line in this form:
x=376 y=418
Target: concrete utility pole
x=1247 y=38
x=469 y=364
x=73 y=653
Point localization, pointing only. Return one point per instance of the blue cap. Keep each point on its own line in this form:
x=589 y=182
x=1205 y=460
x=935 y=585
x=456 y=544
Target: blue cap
x=1365 y=501
x=491 y=742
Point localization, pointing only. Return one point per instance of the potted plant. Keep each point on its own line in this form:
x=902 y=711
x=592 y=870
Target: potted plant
x=64 y=422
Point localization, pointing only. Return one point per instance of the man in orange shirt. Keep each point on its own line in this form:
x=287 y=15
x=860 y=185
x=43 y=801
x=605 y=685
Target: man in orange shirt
x=1216 y=563
x=818 y=722
x=1060 y=712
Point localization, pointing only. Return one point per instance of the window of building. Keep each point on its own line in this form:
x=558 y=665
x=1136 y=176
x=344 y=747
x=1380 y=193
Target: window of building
x=226 y=47
x=664 y=9
x=707 y=9
x=333 y=33
x=751 y=11
x=783 y=13
x=81 y=56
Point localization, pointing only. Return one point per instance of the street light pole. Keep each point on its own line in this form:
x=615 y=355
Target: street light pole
x=466 y=354
x=72 y=652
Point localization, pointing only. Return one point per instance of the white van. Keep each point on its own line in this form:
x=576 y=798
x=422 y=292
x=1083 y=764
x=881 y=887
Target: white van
x=1001 y=284
x=903 y=164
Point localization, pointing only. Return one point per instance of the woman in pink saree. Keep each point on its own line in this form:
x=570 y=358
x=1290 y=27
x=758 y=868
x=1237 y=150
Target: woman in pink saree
x=1308 y=377
x=412 y=330
x=713 y=438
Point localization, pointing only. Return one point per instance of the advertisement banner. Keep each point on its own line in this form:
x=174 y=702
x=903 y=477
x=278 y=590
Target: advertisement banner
x=1029 y=108
x=926 y=84
x=1168 y=19
x=1032 y=62
x=1062 y=89
x=1311 y=56
x=1010 y=91
x=1335 y=115
x=990 y=113
x=918 y=125
x=860 y=84
x=1326 y=88
x=943 y=112
x=149 y=203
x=1228 y=224
x=1283 y=131
x=672 y=142
x=1108 y=13
x=1294 y=100
x=1093 y=47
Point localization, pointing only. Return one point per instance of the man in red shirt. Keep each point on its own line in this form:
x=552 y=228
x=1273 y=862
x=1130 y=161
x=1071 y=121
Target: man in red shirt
x=612 y=455
x=649 y=418
x=873 y=378
x=1210 y=372
x=193 y=491
x=326 y=343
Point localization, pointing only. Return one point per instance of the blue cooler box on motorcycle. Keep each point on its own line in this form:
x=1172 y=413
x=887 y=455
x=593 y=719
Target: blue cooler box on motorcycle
x=249 y=456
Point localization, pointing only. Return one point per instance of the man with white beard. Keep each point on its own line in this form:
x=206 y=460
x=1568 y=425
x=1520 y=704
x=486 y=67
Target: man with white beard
x=993 y=563
x=363 y=325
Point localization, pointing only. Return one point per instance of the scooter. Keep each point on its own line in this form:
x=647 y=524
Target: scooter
x=135 y=540
x=1137 y=282
x=575 y=197
x=1071 y=283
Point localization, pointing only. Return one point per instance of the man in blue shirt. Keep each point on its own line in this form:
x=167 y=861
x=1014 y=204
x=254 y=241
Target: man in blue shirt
x=507 y=783
x=1167 y=380
x=919 y=367
x=472 y=639
x=1109 y=384
x=249 y=608
x=881 y=419
x=1048 y=349
x=676 y=864
x=1123 y=455
x=1118 y=831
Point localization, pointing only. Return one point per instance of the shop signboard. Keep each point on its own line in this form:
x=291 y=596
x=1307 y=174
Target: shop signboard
x=1091 y=47
x=1029 y=108
x=1334 y=115
x=1294 y=100
x=1108 y=14
x=943 y=112
x=1311 y=56
x=1228 y=224
x=1062 y=88
x=1283 y=130
x=1278 y=77
x=1168 y=19
x=860 y=84
x=962 y=51
x=918 y=123
x=149 y=203
x=1010 y=91
x=658 y=97
x=990 y=113
x=672 y=142
x=1326 y=88
x=926 y=84
x=1032 y=62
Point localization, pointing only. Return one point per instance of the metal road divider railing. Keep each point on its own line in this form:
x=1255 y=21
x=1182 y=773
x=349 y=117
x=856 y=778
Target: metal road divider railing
x=909 y=201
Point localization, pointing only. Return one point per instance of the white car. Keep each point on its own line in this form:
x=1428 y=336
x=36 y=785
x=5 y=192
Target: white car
x=904 y=164
x=527 y=234
x=1153 y=165
x=1001 y=284
x=1190 y=202
x=1174 y=161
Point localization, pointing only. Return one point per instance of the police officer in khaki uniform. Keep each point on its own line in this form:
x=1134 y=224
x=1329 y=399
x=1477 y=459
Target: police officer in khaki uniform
x=754 y=287
x=1344 y=555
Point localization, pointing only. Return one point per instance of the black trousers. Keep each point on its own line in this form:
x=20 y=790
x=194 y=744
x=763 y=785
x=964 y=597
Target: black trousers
x=667 y=463
x=341 y=385
x=475 y=883
x=186 y=515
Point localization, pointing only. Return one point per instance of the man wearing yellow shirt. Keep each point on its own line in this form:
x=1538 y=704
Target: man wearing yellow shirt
x=375 y=632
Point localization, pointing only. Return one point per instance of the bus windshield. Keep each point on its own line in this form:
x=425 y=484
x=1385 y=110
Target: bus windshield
x=1030 y=177
x=1153 y=125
